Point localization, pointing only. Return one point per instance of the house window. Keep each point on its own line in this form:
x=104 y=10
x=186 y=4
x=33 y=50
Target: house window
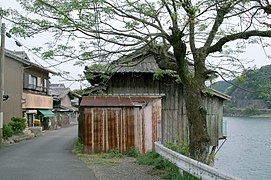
x=32 y=82
x=45 y=85
x=39 y=84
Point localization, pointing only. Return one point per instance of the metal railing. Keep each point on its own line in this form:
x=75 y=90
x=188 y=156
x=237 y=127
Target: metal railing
x=192 y=166
x=36 y=88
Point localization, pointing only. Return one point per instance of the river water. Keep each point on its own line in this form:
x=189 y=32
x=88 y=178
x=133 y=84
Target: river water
x=247 y=151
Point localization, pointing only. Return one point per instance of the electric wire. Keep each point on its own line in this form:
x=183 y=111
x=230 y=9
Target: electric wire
x=39 y=56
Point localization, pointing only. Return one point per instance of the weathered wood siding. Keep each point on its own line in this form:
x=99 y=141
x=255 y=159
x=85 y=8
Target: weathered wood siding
x=214 y=107
x=174 y=126
x=106 y=128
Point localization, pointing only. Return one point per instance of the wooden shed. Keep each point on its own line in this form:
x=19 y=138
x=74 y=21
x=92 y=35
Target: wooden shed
x=138 y=80
x=119 y=122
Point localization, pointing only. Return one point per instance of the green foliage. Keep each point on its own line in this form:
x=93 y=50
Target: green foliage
x=112 y=28
x=159 y=74
x=7 y=131
x=17 y=124
x=257 y=81
x=78 y=147
x=179 y=148
x=115 y=153
x=208 y=92
x=167 y=169
x=133 y=152
x=250 y=110
x=79 y=91
x=229 y=108
x=151 y=158
x=97 y=68
x=98 y=74
x=203 y=27
x=221 y=86
x=265 y=92
x=48 y=54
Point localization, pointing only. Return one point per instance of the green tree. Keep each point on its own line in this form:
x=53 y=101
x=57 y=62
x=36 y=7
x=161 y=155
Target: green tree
x=193 y=30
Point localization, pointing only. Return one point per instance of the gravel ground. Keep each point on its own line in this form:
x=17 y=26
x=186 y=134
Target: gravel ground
x=124 y=168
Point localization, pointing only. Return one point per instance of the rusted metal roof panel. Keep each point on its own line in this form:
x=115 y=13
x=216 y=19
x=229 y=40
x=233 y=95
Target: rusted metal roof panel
x=116 y=101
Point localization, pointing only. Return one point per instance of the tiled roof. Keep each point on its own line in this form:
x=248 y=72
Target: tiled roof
x=59 y=93
x=142 y=64
x=22 y=57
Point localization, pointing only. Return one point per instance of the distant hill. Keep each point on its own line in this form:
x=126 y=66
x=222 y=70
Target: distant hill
x=252 y=90
x=221 y=86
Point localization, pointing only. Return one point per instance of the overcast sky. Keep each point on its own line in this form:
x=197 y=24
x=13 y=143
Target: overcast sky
x=253 y=53
x=37 y=41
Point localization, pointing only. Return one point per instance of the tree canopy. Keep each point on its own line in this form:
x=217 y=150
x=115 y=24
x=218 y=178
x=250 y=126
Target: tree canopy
x=105 y=30
x=199 y=32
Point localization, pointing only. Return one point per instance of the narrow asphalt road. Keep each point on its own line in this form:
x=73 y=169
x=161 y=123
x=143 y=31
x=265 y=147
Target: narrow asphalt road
x=48 y=157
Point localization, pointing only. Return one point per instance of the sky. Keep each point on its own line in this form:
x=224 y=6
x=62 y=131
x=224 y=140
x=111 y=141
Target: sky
x=254 y=54
x=37 y=41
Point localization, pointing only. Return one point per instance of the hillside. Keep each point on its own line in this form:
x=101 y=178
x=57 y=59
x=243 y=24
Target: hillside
x=221 y=86
x=252 y=91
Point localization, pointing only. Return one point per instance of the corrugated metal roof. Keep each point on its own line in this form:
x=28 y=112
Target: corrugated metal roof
x=116 y=101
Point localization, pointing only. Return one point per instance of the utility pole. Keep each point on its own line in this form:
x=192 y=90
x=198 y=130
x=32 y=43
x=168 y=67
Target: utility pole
x=2 y=62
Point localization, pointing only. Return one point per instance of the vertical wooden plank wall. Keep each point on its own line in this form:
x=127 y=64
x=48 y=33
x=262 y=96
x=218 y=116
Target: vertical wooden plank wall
x=214 y=119
x=106 y=129
x=174 y=119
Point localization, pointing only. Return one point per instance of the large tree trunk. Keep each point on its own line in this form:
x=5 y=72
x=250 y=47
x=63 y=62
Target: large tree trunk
x=193 y=84
x=196 y=113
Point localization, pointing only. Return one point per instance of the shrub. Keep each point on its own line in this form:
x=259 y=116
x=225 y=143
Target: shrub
x=78 y=147
x=179 y=148
x=115 y=153
x=7 y=131
x=17 y=124
x=250 y=110
x=133 y=152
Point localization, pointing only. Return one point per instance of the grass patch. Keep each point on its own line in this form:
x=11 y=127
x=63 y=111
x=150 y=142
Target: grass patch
x=78 y=147
x=112 y=154
x=179 y=148
x=110 y=158
x=133 y=152
x=164 y=168
x=161 y=167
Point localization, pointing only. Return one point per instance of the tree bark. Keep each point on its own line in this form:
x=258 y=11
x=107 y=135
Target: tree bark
x=196 y=114
x=193 y=84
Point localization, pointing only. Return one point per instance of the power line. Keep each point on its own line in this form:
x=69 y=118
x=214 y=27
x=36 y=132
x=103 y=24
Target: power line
x=39 y=55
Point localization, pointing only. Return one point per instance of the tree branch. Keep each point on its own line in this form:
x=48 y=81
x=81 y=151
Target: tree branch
x=218 y=21
x=217 y=47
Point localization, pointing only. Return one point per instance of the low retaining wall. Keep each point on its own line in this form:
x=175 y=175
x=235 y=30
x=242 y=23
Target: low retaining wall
x=192 y=166
x=37 y=131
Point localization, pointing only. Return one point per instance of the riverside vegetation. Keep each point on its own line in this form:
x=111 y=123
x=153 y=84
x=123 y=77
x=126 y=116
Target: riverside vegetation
x=152 y=163
x=250 y=93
